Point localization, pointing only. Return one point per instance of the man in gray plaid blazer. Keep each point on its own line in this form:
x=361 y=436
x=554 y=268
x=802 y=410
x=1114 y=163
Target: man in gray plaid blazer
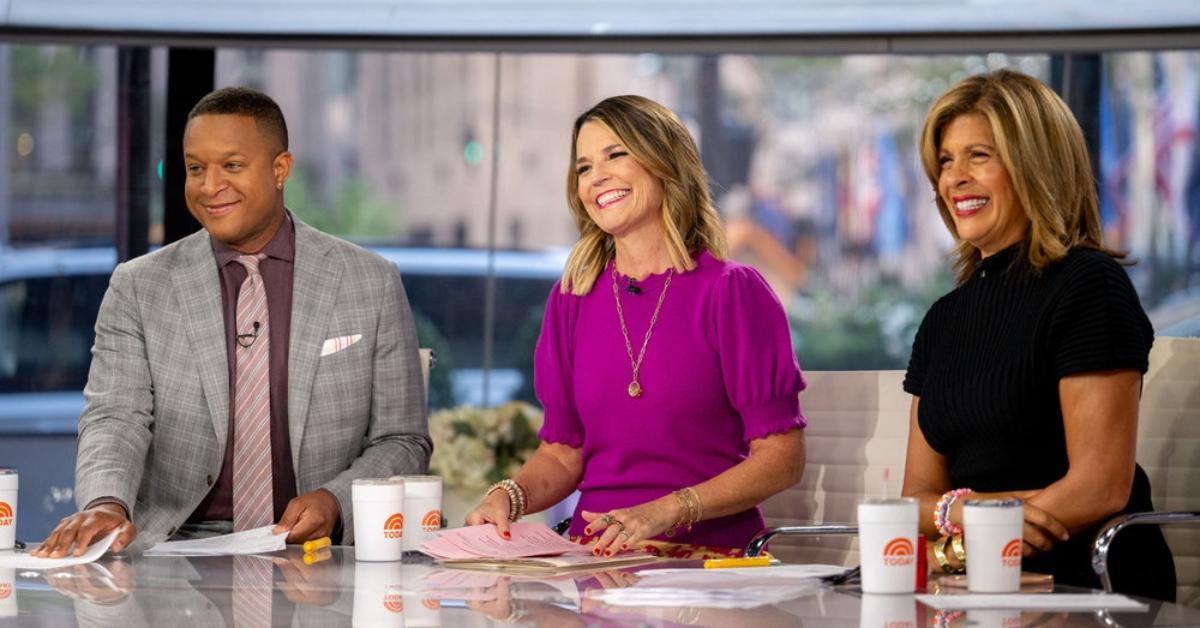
x=347 y=402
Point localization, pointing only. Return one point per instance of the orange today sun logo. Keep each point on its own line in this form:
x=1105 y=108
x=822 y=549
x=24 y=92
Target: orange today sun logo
x=5 y=590
x=1011 y=554
x=393 y=528
x=431 y=521
x=898 y=552
x=6 y=514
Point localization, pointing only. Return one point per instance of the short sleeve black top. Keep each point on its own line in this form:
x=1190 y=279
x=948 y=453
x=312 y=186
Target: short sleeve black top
x=986 y=364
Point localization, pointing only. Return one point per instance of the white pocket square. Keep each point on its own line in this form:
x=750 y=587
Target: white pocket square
x=333 y=345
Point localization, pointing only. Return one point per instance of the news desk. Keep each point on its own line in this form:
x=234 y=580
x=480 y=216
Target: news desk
x=285 y=590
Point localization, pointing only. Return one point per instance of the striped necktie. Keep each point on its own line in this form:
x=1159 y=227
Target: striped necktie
x=253 y=504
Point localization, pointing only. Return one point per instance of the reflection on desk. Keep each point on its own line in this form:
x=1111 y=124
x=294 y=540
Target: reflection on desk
x=283 y=590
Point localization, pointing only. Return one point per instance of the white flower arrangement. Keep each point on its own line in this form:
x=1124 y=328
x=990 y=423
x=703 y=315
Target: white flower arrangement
x=474 y=447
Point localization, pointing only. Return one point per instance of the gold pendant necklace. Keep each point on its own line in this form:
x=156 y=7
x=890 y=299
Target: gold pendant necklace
x=635 y=387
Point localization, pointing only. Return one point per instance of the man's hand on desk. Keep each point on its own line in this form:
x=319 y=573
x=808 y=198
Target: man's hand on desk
x=85 y=526
x=309 y=516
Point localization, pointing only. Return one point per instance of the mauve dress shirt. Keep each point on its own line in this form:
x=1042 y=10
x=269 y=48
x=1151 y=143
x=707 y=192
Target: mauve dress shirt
x=719 y=372
x=276 y=270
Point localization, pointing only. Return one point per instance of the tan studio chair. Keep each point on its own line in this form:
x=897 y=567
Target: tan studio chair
x=1169 y=450
x=857 y=435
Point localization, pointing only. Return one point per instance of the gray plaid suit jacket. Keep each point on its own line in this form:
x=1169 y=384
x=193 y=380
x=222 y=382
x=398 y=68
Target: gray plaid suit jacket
x=156 y=418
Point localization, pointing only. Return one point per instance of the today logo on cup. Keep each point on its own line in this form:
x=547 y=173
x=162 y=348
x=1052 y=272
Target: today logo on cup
x=1010 y=556
x=898 y=552
x=432 y=521
x=393 y=528
x=6 y=514
x=431 y=603
x=5 y=590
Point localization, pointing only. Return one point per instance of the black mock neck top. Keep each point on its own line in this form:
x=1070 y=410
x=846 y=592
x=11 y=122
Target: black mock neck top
x=986 y=364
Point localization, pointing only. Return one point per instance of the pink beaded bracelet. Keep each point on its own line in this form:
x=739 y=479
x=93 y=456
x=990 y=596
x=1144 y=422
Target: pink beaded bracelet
x=941 y=512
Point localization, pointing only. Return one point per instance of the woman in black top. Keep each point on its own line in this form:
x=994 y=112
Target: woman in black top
x=1026 y=378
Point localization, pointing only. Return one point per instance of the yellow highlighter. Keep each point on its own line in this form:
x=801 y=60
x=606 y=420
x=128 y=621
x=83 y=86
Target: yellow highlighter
x=316 y=544
x=722 y=563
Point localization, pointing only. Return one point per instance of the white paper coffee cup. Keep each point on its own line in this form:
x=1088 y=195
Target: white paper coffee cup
x=8 y=508
x=887 y=544
x=378 y=519
x=422 y=509
x=888 y=611
x=378 y=594
x=992 y=533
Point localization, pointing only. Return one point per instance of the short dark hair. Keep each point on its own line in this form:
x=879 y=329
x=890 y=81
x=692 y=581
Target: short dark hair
x=249 y=102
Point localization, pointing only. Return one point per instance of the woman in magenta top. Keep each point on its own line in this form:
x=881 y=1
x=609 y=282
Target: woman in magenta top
x=666 y=371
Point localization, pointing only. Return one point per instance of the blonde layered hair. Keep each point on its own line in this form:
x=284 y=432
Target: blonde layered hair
x=1041 y=146
x=661 y=144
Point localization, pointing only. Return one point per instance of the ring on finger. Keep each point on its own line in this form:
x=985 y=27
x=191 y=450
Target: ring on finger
x=607 y=520
x=623 y=534
x=618 y=523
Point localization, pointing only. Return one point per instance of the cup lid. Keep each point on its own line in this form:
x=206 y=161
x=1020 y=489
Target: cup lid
x=421 y=485
x=8 y=479
x=1008 y=502
x=377 y=489
x=392 y=481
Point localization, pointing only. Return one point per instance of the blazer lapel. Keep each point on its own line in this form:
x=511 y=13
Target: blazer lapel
x=314 y=289
x=198 y=290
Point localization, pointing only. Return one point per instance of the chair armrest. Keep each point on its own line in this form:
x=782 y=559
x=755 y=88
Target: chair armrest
x=759 y=541
x=1104 y=538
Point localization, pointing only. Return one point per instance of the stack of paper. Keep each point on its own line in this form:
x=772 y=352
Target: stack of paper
x=21 y=559
x=718 y=588
x=482 y=541
x=534 y=548
x=1043 y=601
x=256 y=541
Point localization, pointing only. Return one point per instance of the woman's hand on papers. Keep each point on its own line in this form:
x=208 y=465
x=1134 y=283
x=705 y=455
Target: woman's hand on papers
x=494 y=510
x=85 y=526
x=621 y=528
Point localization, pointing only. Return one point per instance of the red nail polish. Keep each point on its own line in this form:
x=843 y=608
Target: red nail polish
x=624 y=546
x=608 y=553
x=508 y=535
x=587 y=530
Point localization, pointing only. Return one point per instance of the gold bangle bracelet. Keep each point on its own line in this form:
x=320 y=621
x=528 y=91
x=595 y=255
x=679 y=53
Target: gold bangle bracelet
x=939 y=554
x=960 y=552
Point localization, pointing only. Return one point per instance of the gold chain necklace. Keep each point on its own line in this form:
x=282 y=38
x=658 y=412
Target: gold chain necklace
x=635 y=388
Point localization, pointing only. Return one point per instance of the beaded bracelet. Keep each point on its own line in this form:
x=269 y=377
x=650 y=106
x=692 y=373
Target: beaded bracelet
x=941 y=512
x=516 y=497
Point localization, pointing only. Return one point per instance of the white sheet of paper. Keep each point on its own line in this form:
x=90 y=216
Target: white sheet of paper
x=20 y=559
x=256 y=541
x=1033 y=601
x=693 y=576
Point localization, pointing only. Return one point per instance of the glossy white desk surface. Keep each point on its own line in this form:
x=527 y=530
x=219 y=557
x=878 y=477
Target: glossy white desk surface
x=136 y=591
